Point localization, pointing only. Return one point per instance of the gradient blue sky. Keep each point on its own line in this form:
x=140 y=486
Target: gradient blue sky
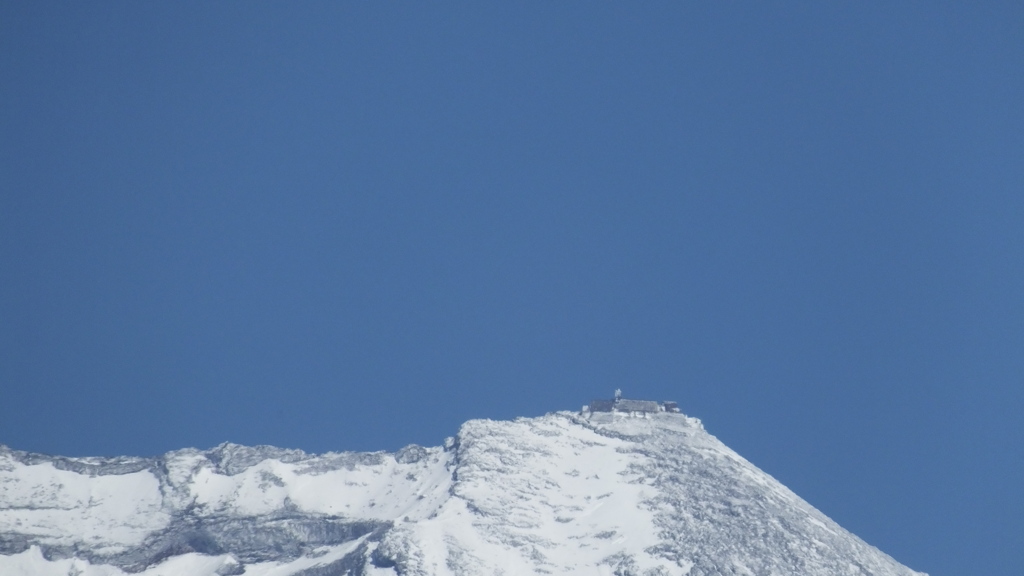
x=354 y=226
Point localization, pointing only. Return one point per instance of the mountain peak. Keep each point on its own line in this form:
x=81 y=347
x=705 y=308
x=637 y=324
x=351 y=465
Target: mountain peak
x=626 y=492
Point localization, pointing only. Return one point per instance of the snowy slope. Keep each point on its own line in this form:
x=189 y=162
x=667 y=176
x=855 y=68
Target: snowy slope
x=606 y=493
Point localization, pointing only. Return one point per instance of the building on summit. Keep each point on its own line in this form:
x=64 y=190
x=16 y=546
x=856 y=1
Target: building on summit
x=620 y=404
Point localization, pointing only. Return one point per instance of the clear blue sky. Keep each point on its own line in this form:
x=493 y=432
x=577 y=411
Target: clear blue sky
x=355 y=225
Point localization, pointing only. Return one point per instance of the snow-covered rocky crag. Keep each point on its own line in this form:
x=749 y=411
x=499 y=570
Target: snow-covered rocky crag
x=589 y=494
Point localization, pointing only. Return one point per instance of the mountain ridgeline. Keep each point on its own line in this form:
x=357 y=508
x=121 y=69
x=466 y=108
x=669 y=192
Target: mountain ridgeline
x=625 y=493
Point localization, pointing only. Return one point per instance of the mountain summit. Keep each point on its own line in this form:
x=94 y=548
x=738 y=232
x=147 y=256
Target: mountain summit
x=639 y=493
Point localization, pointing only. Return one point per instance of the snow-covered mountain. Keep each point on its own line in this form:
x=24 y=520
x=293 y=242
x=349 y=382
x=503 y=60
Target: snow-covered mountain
x=588 y=494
